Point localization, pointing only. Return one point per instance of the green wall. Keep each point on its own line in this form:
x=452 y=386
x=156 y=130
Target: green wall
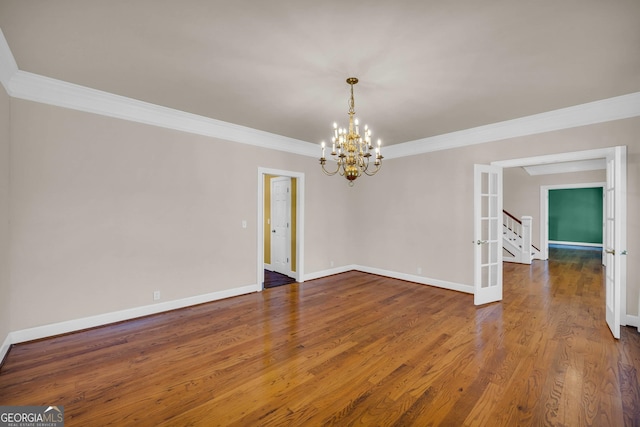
x=575 y=215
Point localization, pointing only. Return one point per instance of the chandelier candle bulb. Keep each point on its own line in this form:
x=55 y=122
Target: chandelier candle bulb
x=322 y=149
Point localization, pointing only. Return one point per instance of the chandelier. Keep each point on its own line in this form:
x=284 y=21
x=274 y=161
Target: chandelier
x=352 y=151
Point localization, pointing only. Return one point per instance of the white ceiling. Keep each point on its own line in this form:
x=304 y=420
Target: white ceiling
x=425 y=67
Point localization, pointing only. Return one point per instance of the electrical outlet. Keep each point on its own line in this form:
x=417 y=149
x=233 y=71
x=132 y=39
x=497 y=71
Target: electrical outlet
x=331 y=263
x=419 y=270
x=156 y=295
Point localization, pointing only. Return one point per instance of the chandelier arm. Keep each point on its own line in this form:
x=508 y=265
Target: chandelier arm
x=327 y=172
x=372 y=173
x=366 y=169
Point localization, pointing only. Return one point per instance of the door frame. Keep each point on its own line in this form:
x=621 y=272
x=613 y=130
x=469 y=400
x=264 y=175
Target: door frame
x=299 y=249
x=598 y=153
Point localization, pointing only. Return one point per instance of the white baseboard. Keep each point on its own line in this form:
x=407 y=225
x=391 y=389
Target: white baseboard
x=468 y=289
x=330 y=272
x=394 y=275
x=6 y=345
x=633 y=321
x=593 y=245
x=104 y=319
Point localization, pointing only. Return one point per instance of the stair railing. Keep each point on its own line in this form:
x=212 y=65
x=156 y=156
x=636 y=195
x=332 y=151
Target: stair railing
x=512 y=226
x=518 y=233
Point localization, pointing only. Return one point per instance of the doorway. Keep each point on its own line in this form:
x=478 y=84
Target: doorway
x=616 y=289
x=289 y=216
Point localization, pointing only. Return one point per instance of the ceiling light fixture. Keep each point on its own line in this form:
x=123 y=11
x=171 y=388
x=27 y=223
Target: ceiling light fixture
x=350 y=150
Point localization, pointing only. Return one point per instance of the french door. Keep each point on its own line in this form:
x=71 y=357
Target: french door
x=487 y=234
x=615 y=238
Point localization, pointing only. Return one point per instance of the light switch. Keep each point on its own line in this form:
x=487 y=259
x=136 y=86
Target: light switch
x=244 y=223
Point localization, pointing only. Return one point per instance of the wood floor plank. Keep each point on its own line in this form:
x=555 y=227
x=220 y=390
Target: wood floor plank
x=351 y=349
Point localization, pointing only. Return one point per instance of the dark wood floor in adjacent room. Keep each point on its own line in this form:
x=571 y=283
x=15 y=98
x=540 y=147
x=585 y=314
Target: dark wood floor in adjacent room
x=351 y=349
x=273 y=279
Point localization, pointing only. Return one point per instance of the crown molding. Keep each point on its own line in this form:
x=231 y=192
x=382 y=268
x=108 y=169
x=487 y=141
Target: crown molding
x=36 y=88
x=33 y=87
x=616 y=108
x=8 y=65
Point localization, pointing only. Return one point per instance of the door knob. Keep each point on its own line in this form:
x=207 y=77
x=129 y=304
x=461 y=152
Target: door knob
x=610 y=251
x=481 y=242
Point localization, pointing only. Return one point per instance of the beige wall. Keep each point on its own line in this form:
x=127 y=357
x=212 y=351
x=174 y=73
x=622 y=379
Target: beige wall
x=5 y=290
x=106 y=211
x=418 y=210
x=325 y=235
x=416 y=215
x=522 y=192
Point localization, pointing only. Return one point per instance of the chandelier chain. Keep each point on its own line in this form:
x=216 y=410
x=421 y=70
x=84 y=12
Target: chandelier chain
x=352 y=103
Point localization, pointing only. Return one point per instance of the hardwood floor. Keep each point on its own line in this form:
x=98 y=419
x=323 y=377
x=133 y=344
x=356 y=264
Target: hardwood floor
x=351 y=349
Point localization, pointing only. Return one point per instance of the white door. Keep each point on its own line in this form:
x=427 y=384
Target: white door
x=615 y=238
x=487 y=234
x=280 y=220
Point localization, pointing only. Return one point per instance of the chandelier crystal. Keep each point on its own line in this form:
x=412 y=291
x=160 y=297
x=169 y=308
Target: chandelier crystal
x=352 y=151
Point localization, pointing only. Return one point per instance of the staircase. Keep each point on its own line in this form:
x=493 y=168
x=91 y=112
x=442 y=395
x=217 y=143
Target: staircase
x=516 y=239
